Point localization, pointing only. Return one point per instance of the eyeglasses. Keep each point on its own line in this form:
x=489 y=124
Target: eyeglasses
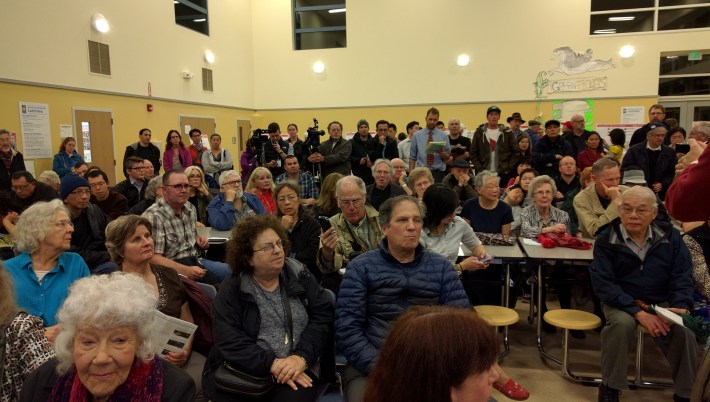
x=21 y=187
x=639 y=211
x=63 y=224
x=270 y=247
x=137 y=168
x=178 y=186
x=290 y=198
x=578 y=121
x=231 y=183
x=355 y=203
x=98 y=184
x=545 y=192
x=81 y=192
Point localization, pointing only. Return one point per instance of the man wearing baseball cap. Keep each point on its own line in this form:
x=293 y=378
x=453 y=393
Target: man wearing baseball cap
x=550 y=149
x=494 y=147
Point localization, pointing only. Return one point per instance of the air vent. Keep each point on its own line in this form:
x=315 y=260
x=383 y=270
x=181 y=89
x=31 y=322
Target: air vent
x=207 y=80
x=99 y=60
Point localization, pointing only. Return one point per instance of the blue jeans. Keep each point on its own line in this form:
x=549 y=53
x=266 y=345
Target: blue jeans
x=220 y=269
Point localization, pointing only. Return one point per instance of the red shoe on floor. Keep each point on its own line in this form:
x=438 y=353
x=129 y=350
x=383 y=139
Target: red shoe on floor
x=513 y=390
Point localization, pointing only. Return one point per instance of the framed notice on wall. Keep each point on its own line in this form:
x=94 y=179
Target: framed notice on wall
x=36 y=135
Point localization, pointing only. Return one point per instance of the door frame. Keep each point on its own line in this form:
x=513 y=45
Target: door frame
x=113 y=135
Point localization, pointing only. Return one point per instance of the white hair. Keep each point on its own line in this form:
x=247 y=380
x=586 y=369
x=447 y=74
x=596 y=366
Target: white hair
x=49 y=177
x=227 y=174
x=104 y=302
x=354 y=180
x=483 y=177
x=540 y=180
x=640 y=191
x=34 y=224
x=386 y=162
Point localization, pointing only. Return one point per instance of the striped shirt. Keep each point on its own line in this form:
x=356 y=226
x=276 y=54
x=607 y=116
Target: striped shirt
x=531 y=221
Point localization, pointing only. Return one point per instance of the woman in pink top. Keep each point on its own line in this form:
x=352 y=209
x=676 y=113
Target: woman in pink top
x=176 y=156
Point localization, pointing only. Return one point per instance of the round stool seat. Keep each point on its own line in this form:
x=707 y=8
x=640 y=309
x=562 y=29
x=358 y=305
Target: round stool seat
x=497 y=316
x=572 y=319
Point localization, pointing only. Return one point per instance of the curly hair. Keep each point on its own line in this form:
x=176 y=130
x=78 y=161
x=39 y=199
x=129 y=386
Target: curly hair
x=240 y=248
x=107 y=301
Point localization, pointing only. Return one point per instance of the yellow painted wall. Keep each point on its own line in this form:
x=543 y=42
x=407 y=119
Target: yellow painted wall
x=129 y=114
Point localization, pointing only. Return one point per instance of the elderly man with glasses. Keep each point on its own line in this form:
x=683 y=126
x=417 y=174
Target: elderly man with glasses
x=232 y=203
x=578 y=136
x=354 y=231
x=174 y=221
x=640 y=261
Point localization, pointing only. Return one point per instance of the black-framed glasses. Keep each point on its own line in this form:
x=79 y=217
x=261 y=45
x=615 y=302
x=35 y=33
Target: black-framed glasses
x=137 y=168
x=270 y=247
x=178 y=186
x=232 y=183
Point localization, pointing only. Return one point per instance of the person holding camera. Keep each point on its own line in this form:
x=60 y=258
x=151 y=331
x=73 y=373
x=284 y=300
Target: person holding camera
x=353 y=232
x=274 y=151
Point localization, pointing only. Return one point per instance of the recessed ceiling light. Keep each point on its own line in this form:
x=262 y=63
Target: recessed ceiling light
x=336 y=10
x=625 y=18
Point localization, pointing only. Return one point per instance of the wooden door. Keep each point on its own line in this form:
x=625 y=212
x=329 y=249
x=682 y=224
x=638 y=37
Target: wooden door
x=243 y=134
x=94 y=139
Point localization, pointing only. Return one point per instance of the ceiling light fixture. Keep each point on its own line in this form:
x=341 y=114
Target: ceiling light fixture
x=605 y=31
x=336 y=10
x=209 y=56
x=318 y=67
x=627 y=51
x=463 y=60
x=200 y=19
x=99 y=22
x=624 y=18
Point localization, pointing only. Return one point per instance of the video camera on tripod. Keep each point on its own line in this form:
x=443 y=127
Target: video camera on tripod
x=259 y=137
x=312 y=145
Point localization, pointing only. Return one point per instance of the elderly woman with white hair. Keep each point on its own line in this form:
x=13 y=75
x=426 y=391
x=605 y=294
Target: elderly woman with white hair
x=153 y=192
x=232 y=203
x=104 y=348
x=541 y=217
x=44 y=270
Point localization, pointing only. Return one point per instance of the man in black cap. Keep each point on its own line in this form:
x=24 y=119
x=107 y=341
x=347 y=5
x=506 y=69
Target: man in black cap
x=655 y=159
x=550 y=149
x=460 y=180
x=275 y=151
x=363 y=146
x=514 y=122
x=494 y=147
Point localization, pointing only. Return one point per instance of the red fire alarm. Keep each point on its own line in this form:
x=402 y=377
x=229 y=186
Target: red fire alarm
x=149 y=107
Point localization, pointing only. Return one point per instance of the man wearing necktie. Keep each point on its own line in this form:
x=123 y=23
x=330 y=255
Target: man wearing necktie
x=435 y=161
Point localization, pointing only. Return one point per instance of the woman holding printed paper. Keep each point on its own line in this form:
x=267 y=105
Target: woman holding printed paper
x=104 y=348
x=129 y=241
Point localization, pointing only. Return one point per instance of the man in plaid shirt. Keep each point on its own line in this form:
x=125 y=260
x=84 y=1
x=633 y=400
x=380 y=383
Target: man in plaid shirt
x=309 y=190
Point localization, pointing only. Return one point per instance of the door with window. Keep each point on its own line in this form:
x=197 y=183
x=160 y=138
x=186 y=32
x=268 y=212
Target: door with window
x=688 y=113
x=94 y=139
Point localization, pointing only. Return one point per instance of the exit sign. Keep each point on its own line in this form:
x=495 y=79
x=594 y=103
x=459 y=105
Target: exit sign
x=695 y=56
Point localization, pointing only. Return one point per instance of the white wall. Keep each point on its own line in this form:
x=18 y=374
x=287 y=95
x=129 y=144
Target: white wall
x=46 y=41
x=404 y=52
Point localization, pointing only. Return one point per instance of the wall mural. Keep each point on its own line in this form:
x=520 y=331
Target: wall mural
x=571 y=63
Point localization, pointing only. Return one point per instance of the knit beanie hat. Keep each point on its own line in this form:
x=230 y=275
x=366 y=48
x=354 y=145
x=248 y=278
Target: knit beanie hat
x=71 y=182
x=362 y=122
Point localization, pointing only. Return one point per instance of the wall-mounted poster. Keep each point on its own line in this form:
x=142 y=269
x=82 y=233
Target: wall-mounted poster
x=564 y=110
x=36 y=135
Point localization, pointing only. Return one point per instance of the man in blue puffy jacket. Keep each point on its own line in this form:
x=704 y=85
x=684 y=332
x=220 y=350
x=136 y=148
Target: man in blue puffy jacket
x=381 y=284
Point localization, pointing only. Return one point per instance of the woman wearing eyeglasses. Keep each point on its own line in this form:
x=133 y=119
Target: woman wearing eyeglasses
x=232 y=204
x=200 y=197
x=44 y=270
x=176 y=156
x=270 y=317
x=303 y=229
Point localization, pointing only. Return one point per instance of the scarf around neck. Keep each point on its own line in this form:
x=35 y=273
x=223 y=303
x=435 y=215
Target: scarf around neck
x=144 y=383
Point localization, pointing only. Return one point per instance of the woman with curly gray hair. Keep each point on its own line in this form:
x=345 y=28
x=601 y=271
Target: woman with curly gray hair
x=44 y=270
x=104 y=348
